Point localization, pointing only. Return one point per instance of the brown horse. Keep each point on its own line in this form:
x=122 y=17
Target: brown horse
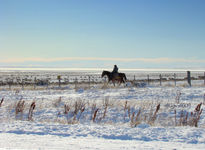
x=121 y=78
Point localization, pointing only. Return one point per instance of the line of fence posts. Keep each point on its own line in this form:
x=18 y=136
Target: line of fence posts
x=89 y=80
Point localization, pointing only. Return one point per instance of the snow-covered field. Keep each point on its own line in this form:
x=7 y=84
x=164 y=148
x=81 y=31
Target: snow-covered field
x=103 y=118
x=51 y=128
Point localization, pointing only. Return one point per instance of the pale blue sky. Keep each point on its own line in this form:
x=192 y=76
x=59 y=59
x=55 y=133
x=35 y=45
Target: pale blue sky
x=101 y=33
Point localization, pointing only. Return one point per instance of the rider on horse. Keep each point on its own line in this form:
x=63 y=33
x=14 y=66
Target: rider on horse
x=115 y=72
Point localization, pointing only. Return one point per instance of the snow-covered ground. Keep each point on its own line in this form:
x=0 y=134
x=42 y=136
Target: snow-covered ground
x=113 y=127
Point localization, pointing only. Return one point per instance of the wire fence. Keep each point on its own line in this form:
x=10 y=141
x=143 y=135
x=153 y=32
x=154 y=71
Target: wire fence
x=47 y=79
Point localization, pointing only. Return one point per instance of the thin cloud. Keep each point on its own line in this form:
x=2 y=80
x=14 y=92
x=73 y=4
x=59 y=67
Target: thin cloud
x=61 y=59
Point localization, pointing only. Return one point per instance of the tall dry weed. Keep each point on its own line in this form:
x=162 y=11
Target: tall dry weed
x=1 y=102
x=31 y=109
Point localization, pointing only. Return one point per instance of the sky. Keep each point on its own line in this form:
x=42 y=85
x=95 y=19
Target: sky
x=101 y=33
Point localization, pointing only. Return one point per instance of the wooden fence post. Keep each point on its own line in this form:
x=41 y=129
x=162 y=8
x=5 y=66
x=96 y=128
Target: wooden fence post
x=47 y=83
x=35 y=83
x=160 y=79
x=175 y=82
x=59 y=80
x=204 y=78
x=134 y=77
x=189 y=77
x=22 y=84
x=148 y=79
x=76 y=80
x=89 y=81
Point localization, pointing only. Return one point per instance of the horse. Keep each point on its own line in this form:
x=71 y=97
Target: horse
x=121 y=78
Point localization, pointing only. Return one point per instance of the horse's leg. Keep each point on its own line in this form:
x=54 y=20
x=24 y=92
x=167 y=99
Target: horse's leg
x=108 y=81
x=119 y=83
x=113 y=81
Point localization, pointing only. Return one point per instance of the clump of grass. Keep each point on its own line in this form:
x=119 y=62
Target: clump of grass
x=190 y=119
x=79 y=109
x=127 y=110
x=74 y=115
x=135 y=119
x=20 y=108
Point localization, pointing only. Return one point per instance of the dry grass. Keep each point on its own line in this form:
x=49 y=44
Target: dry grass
x=19 y=109
x=31 y=109
x=109 y=111
x=1 y=102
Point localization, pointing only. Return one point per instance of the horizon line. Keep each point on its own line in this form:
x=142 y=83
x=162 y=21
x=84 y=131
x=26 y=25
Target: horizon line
x=60 y=59
x=95 y=69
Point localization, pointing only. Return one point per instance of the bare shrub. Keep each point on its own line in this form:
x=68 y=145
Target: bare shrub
x=79 y=109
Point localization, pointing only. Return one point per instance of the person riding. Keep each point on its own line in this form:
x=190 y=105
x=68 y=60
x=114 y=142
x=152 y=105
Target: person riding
x=115 y=71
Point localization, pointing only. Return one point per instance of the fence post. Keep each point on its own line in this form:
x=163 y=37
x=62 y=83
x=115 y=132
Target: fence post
x=160 y=79
x=68 y=80
x=204 y=78
x=47 y=83
x=134 y=77
x=175 y=82
x=89 y=81
x=148 y=79
x=22 y=84
x=59 y=80
x=189 y=77
x=35 y=83
x=76 y=80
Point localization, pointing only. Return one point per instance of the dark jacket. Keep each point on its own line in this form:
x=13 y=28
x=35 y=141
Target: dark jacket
x=115 y=69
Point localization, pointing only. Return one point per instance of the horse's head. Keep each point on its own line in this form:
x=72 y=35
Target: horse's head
x=105 y=73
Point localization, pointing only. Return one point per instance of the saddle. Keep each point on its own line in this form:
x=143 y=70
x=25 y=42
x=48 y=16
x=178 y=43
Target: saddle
x=115 y=75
